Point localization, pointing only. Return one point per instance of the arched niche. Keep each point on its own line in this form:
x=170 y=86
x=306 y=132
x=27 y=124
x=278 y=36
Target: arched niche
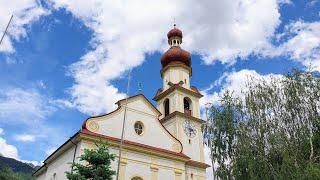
x=187 y=105
x=166 y=105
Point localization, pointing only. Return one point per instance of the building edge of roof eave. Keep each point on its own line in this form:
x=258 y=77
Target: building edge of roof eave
x=172 y=88
x=177 y=113
x=116 y=142
x=49 y=158
x=197 y=164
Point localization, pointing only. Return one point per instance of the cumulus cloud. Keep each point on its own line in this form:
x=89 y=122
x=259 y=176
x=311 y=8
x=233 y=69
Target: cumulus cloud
x=11 y=151
x=6 y=149
x=25 y=12
x=235 y=82
x=124 y=31
x=301 y=43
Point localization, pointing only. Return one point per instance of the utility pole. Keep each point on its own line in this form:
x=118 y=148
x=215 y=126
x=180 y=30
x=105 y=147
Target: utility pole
x=5 y=31
x=123 y=125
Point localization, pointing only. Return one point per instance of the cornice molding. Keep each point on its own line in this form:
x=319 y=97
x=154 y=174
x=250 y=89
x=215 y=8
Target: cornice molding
x=179 y=88
x=177 y=113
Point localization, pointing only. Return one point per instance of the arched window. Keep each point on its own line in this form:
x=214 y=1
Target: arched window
x=166 y=107
x=187 y=105
x=137 y=178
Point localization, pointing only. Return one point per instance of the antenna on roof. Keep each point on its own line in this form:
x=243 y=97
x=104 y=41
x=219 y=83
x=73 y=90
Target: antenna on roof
x=5 y=31
x=123 y=124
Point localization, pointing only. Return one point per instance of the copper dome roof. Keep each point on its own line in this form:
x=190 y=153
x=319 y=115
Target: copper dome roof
x=174 y=32
x=176 y=54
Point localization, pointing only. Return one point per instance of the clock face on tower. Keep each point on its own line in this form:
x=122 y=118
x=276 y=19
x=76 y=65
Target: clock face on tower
x=189 y=129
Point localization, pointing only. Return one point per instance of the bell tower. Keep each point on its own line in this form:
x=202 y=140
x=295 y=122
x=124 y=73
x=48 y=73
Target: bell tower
x=177 y=100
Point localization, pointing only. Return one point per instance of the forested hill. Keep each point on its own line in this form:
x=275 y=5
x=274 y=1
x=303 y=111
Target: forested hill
x=11 y=169
x=15 y=165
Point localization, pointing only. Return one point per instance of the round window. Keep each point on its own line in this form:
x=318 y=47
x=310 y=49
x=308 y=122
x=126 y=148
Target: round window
x=138 y=127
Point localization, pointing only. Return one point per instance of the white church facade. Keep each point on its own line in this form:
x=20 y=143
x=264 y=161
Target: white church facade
x=160 y=143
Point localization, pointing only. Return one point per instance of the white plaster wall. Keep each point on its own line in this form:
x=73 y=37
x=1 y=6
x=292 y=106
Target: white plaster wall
x=138 y=164
x=195 y=108
x=176 y=103
x=60 y=164
x=137 y=169
x=154 y=133
x=175 y=75
x=175 y=125
x=195 y=149
x=198 y=174
x=164 y=173
x=42 y=176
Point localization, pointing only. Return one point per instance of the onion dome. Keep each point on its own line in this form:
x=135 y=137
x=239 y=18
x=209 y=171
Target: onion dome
x=174 y=32
x=175 y=54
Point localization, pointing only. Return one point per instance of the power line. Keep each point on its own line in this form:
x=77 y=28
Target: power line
x=5 y=31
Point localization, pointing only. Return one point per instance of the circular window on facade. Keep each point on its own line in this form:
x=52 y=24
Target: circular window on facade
x=138 y=127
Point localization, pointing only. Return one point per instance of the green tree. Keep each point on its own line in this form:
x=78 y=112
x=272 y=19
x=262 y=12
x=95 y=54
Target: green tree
x=272 y=131
x=7 y=174
x=220 y=133
x=94 y=164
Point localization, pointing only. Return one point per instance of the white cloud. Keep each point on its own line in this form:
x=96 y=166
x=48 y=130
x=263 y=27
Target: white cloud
x=234 y=82
x=23 y=106
x=25 y=12
x=8 y=150
x=312 y=3
x=302 y=44
x=124 y=31
x=34 y=163
x=25 y=137
x=1 y=131
x=11 y=151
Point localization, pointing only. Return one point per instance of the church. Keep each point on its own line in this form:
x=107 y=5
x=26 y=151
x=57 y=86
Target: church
x=159 y=143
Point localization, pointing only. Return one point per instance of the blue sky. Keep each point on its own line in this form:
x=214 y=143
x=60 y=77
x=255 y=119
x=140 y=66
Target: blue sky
x=63 y=61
